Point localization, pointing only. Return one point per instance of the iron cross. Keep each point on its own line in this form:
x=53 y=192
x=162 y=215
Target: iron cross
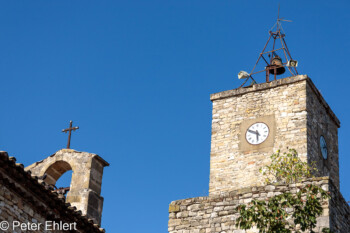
x=70 y=132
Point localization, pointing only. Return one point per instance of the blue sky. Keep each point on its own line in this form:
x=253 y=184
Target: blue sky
x=136 y=77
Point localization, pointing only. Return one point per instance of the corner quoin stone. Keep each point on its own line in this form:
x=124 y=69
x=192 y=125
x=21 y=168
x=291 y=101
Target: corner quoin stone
x=174 y=208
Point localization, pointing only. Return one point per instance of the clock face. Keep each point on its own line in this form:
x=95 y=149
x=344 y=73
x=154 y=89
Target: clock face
x=323 y=147
x=257 y=133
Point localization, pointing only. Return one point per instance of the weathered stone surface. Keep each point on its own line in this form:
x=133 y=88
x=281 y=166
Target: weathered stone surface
x=297 y=115
x=174 y=208
x=223 y=215
x=28 y=204
x=85 y=187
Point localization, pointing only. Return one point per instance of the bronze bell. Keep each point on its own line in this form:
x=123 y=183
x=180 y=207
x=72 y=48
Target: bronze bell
x=276 y=64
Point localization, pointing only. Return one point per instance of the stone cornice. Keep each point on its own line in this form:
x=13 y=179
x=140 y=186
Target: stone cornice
x=257 y=87
x=323 y=102
x=254 y=189
x=273 y=84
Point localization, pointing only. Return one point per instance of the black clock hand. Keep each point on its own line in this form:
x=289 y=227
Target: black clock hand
x=257 y=135
x=325 y=148
x=251 y=131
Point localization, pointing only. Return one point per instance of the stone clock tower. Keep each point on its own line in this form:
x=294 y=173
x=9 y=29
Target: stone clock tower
x=250 y=124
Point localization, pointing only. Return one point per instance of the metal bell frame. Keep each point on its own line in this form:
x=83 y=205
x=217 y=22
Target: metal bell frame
x=271 y=66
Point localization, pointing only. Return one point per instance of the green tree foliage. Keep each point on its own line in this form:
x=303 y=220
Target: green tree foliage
x=287 y=168
x=285 y=212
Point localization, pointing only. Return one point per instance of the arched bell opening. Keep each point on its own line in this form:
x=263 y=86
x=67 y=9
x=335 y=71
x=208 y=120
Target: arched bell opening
x=82 y=171
x=63 y=183
x=59 y=175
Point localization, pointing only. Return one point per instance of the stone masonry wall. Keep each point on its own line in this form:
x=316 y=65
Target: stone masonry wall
x=339 y=210
x=290 y=107
x=217 y=214
x=28 y=204
x=296 y=115
x=320 y=121
x=234 y=164
x=14 y=208
x=85 y=187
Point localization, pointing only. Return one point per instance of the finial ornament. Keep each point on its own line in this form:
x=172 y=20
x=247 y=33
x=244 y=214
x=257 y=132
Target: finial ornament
x=70 y=129
x=273 y=55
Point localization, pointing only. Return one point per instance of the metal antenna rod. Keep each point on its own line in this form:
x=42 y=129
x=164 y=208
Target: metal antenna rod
x=278 y=17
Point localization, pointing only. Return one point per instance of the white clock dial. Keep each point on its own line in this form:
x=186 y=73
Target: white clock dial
x=257 y=133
